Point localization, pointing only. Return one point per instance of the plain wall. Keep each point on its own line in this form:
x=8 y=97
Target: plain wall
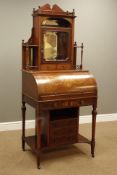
x=95 y=26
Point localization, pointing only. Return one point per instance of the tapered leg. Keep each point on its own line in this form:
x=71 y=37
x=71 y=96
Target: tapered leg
x=78 y=122
x=23 y=125
x=94 y=113
x=38 y=160
x=38 y=137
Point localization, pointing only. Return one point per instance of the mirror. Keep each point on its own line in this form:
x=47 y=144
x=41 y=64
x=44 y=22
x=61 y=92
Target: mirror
x=55 y=46
x=50 y=46
x=53 y=22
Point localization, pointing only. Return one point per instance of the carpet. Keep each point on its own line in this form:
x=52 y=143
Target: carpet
x=71 y=160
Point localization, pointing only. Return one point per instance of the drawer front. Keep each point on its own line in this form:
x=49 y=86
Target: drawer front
x=64 y=123
x=63 y=66
x=64 y=131
x=68 y=103
x=48 y=67
x=64 y=140
x=58 y=132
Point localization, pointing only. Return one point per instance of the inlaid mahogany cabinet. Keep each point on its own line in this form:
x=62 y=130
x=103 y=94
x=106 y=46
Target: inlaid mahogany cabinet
x=53 y=84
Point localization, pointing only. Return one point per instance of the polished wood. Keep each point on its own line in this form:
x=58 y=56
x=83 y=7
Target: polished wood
x=36 y=39
x=31 y=141
x=23 y=125
x=38 y=136
x=56 y=89
x=94 y=113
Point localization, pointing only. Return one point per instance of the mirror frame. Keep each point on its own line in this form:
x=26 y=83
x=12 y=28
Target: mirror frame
x=44 y=30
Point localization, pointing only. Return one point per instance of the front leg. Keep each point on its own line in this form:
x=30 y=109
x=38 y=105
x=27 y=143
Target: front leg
x=94 y=113
x=38 y=137
x=23 y=125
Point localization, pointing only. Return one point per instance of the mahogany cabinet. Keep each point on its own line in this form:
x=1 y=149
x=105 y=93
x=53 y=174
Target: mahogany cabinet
x=53 y=84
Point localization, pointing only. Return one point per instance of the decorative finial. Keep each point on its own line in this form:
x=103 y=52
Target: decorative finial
x=82 y=46
x=73 y=12
x=75 y=44
x=33 y=10
x=67 y=13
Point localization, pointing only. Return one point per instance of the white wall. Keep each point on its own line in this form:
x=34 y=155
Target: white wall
x=96 y=27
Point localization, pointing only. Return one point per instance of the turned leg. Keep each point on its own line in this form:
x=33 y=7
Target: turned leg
x=23 y=125
x=94 y=113
x=38 y=137
x=38 y=159
x=78 y=122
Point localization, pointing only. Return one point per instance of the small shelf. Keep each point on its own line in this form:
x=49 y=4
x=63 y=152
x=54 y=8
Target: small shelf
x=61 y=114
x=82 y=139
x=30 y=56
x=28 y=66
x=53 y=27
x=30 y=45
x=31 y=142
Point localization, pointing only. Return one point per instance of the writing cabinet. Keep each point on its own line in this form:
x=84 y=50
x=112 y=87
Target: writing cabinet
x=53 y=84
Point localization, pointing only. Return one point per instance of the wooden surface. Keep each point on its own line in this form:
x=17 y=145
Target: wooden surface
x=55 y=89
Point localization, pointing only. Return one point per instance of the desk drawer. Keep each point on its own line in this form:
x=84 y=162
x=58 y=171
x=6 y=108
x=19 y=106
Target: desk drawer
x=63 y=140
x=64 y=123
x=65 y=131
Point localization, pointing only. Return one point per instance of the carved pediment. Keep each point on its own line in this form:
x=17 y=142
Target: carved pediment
x=48 y=9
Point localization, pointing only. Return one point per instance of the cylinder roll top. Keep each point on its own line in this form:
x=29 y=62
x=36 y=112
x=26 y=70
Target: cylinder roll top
x=60 y=83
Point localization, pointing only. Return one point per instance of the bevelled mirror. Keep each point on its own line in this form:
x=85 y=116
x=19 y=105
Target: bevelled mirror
x=55 y=46
x=53 y=22
x=55 y=39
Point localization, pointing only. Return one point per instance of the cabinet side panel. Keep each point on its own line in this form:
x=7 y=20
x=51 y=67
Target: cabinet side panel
x=29 y=87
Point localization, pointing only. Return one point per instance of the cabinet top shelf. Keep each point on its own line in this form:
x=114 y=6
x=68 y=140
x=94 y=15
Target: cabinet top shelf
x=30 y=45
